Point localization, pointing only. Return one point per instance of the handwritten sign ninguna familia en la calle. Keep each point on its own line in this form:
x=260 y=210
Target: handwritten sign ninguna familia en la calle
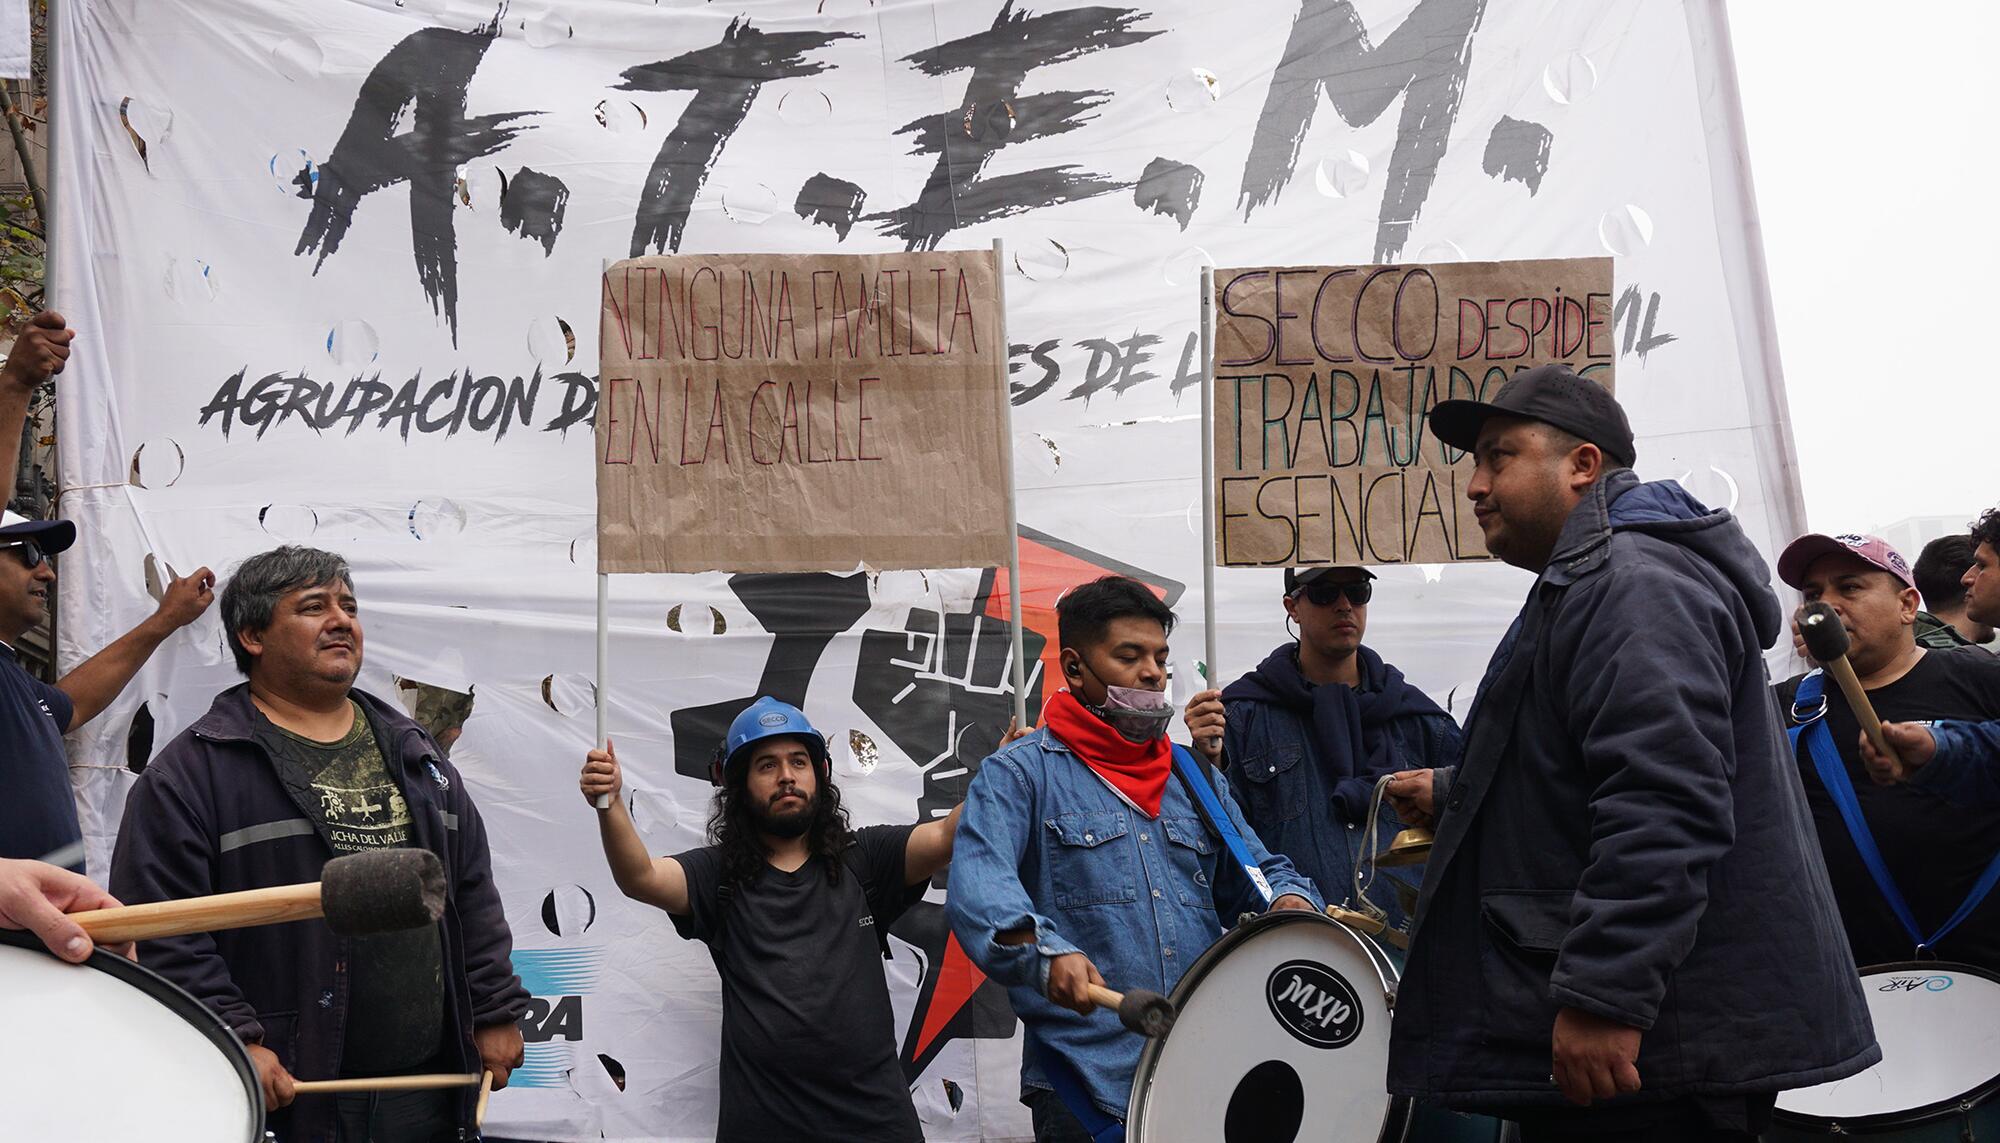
x=799 y=413
x=1324 y=382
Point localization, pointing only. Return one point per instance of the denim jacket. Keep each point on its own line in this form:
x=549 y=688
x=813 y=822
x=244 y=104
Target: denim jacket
x=1044 y=841
x=1966 y=768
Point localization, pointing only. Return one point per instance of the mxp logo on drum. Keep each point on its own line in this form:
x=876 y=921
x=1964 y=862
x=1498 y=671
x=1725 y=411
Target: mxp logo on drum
x=1314 y=1003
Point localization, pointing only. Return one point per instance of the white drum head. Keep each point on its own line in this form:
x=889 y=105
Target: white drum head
x=1282 y=1035
x=1939 y=1027
x=108 y=1051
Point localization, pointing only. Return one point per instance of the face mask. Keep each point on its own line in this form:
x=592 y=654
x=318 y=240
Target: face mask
x=1137 y=715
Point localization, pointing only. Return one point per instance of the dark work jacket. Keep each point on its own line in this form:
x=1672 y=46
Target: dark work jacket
x=211 y=815
x=1627 y=834
x=1303 y=805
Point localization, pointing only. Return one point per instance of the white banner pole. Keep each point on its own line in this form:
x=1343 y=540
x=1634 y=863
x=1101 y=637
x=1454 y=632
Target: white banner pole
x=1212 y=674
x=603 y=801
x=1019 y=656
x=603 y=680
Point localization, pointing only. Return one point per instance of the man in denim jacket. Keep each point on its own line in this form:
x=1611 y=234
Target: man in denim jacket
x=1081 y=860
x=1309 y=731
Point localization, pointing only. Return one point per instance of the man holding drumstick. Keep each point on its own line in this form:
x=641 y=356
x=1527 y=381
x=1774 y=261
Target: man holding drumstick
x=283 y=773
x=1932 y=853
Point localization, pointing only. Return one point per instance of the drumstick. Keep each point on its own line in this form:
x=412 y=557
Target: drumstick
x=1826 y=642
x=1147 y=1013
x=485 y=1093
x=384 y=1083
x=380 y=891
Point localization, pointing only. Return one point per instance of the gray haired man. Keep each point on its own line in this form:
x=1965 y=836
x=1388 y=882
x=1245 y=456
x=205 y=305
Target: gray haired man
x=284 y=772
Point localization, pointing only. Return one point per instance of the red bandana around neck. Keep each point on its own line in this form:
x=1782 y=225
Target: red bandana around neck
x=1137 y=770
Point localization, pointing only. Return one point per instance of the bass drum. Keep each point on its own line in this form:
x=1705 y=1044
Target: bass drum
x=177 y=1074
x=1939 y=1027
x=1282 y=1035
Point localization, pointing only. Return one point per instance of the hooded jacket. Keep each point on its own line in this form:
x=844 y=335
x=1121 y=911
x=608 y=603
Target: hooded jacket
x=1303 y=760
x=1627 y=834
x=212 y=815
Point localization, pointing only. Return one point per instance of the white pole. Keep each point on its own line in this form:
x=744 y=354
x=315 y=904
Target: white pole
x=1214 y=676
x=1019 y=657
x=603 y=679
x=603 y=801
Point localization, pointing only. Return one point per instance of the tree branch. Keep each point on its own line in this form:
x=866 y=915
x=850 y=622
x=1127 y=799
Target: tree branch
x=27 y=160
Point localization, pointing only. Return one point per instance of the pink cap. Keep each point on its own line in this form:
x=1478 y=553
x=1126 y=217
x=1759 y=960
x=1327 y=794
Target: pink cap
x=1800 y=554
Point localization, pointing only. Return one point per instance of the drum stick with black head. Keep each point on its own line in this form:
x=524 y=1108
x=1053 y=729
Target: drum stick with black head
x=1141 y=1011
x=1826 y=642
x=380 y=891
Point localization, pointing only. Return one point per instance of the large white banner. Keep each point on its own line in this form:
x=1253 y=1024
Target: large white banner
x=334 y=264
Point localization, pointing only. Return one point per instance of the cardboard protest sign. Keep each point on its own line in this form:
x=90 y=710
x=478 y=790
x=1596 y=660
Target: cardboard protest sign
x=796 y=413
x=1324 y=382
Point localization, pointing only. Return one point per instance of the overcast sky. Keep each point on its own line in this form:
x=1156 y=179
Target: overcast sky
x=1872 y=136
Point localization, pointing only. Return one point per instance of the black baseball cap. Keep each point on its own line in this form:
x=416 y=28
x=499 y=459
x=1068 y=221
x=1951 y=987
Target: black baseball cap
x=1296 y=578
x=51 y=536
x=1550 y=394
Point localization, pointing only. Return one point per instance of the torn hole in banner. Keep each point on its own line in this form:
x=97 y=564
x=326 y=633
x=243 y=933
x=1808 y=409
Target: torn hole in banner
x=353 y=344
x=192 y=280
x=1042 y=259
x=146 y=125
x=569 y=695
x=551 y=341
x=805 y=107
x=288 y=521
x=295 y=177
x=569 y=911
x=1183 y=267
x=1193 y=89
x=1441 y=250
x=298 y=57
x=436 y=519
x=863 y=752
x=749 y=203
x=1570 y=79
x=690 y=621
x=441 y=711
x=1343 y=175
x=139 y=739
x=620 y=116
x=157 y=463
x=1626 y=230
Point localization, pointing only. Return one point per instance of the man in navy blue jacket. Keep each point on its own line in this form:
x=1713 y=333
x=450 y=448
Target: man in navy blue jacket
x=282 y=774
x=1625 y=908
x=1306 y=734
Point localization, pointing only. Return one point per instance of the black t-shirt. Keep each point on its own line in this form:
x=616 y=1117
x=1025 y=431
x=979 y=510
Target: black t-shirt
x=395 y=1000
x=37 y=810
x=1934 y=849
x=808 y=1038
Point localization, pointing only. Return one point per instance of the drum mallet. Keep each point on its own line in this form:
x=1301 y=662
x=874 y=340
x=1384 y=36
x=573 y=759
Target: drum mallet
x=380 y=891
x=485 y=1093
x=1826 y=642
x=1141 y=1011
x=384 y=1083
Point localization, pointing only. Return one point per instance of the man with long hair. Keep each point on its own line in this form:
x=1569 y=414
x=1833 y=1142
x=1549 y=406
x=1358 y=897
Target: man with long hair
x=795 y=908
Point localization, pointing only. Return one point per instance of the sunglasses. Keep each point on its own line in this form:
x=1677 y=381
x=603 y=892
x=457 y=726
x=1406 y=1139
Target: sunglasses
x=29 y=553
x=1320 y=593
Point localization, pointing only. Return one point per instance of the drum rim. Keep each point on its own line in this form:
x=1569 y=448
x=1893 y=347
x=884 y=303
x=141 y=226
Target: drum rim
x=1205 y=963
x=1942 y=1109
x=177 y=1000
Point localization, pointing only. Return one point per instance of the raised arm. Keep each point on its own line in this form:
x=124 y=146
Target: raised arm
x=38 y=354
x=929 y=848
x=658 y=881
x=96 y=681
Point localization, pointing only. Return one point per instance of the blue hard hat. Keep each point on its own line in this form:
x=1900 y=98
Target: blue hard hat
x=769 y=718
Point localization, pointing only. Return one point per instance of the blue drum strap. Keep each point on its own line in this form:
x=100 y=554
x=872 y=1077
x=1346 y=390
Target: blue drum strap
x=1069 y=1088
x=1192 y=775
x=1808 y=712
